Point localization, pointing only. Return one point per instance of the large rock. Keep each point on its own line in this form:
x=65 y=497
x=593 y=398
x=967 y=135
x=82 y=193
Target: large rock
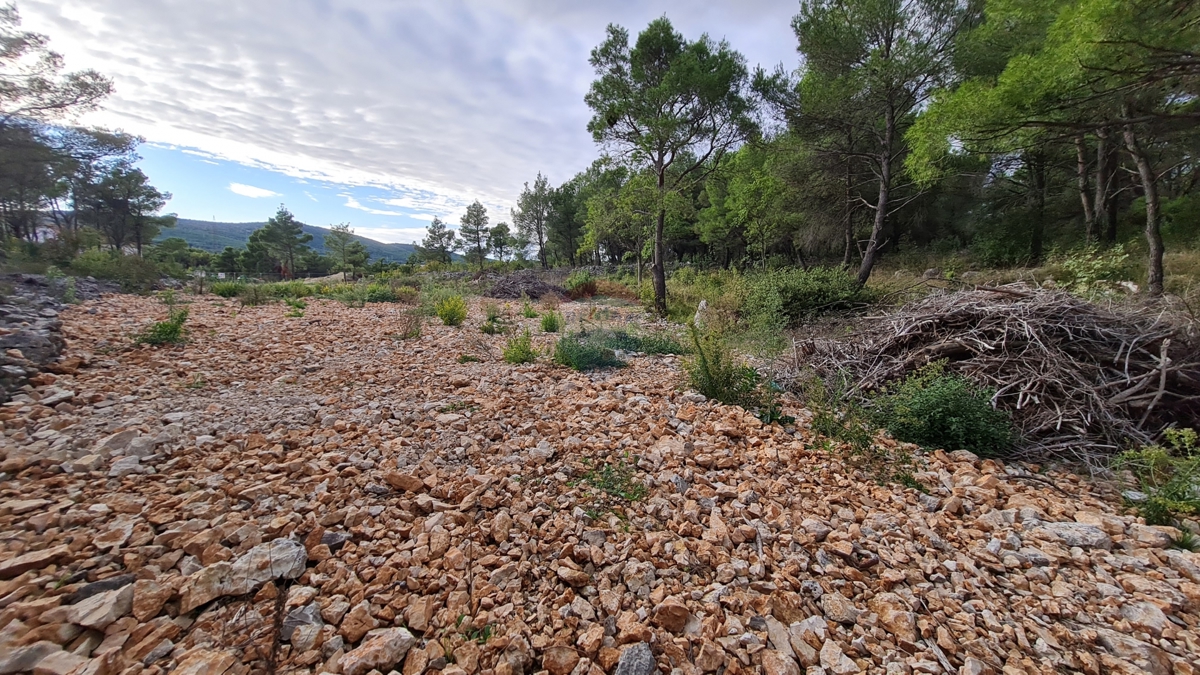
x=895 y=616
x=101 y=609
x=837 y=608
x=204 y=662
x=835 y=661
x=25 y=658
x=1077 y=534
x=35 y=560
x=1147 y=657
x=778 y=663
x=281 y=558
x=382 y=650
x=637 y=659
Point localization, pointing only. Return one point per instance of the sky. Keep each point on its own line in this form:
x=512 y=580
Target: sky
x=379 y=113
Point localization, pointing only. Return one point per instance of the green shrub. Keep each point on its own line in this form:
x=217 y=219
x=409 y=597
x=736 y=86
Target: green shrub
x=936 y=409
x=581 y=353
x=406 y=294
x=253 y=295
x=580 y=284
x=408 y=325
x=378 y=292
x=133 y=273
x=227 y=289
x=528 y=311
x=491 y=311
x=1168 y=475
x=169 y=332
x=452 y=310
x=467 y=358
x=717 y=373
x=783 y=298
x=290 y=289
x=351 y=295
x=551 y=322
x=520 y=349
x=490 y=327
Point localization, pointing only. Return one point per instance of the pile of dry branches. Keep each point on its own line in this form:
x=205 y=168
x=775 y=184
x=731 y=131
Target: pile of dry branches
x=1081 y=381
x=523 y=282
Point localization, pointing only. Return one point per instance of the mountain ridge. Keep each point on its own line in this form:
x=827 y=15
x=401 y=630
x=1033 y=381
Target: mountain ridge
x=214 y=236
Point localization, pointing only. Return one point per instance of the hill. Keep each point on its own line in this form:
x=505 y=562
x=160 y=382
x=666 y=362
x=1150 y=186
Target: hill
x=214 y=236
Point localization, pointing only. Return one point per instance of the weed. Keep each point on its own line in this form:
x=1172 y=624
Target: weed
x=936 y=409
x=409 y=325
x=406 y=294
x=352 y=295
x=581 y=284
x=452 y=310
x=656 y=343
x=528 y=311
x=467 y=358
x=1186 y=541
x=1169 y=475
x=490 y=327
x=457 y=406
x=69 y=291
x=520 y=349
x=716 y=372
x=491 y=312
x=169 y=332
x=197 y=382
x=253 y=295
x=612 y=484
x=579 y=352
x=551 y=302
x=551 y=322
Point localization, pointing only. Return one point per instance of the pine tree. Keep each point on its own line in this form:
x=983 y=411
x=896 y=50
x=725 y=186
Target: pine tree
x=439 y=241
x=473 y=228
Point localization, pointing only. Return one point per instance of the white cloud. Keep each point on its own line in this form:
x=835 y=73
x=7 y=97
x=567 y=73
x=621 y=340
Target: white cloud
x=251 y=191
x=422 y=216
x=443 y=102
x=392 y=235
x=353 y=203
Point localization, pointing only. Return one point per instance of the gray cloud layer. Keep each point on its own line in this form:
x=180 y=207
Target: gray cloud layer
x=445 y=100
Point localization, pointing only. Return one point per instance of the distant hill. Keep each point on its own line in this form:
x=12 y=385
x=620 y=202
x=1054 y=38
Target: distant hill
x=213 y=236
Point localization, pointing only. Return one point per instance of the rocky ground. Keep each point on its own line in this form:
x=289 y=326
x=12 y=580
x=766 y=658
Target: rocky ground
x=314 y=494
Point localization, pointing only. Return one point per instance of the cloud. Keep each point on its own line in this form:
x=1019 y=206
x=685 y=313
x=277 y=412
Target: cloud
x=353 y=203
x=251 y=191
x=442 y=103
x=422 y=216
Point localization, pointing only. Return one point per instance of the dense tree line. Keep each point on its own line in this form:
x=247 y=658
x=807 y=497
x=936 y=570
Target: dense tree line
x=1009 y=127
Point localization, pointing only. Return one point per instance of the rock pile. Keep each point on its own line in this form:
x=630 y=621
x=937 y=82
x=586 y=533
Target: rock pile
x=315 y=495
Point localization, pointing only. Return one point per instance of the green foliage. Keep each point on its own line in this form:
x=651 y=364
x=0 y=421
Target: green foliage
x=467 y=358
x=134 y=273
x=408 y=325
x=406 y=294
x=452 y=310
x=351 y=295
x=520 y=349
x=1093 y=270
x=227 y=289
x=936 y=409
x=491 y=311
x=491 y=327
x=551 y=322
x=169 y=332
x=1168 y=474
x=253 y=295
x=580 y=284
x=655 y=343
x=473 y=228
x=717 y=373
x=786 y=297
x=528 y=311
x=380 y=292
x=581 y=352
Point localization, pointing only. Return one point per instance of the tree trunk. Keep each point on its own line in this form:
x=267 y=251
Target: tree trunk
x=658 y=268
x=1037 y=170
x=1112 y=204
x=541 y=248
x=1081 y=169
x=849 y=216
x=881 y=205
x=1154 y=278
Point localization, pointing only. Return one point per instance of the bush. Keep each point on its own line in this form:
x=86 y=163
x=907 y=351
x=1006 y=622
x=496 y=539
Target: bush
x=169 y=332
x=520 y=349
x=717 y=373
x=935 y=409
x=377 y=292
x=253 y=295
x=490 y=327
x=452 y=310
x=614 y=289
x=351 y=295
x=406 y=294
x=133 y=273
x=290 y=289
x=657 y=343
x=528 y=311
x=227 y=289
x=581 y=284
x=782 y=298
x=1168 y=476
x=551 y=322
x=491 y=311
x=409 y=325
x=580 y=352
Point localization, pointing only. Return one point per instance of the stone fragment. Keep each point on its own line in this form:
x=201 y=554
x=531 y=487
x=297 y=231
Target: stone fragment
x=895 y=616
x=358 y=622
x=24 y=658
x=777 y=663
x=672 y=615
x=204 y=662
x=1077 y=534
x=308 y=615
x=149 y=596
x=636 y=659
x=404 y=481
x=837 y=608
x=381 y=651
x=574 y=577
x=1145 y=616
x=835 y=661
x=560 y=660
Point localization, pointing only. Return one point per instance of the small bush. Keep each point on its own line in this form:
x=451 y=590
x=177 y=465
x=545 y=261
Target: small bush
x=935 y=409
x=452 y=310
x=227 y=289
x=785 y=297
x=551 y=302
x=551 y=322
x=613 y=289
x=408 y=327
x=290 y=289
x=528 y=311
x=491 y=311
x=467 y=358
x=253 y=295
x=520 y=349
x=490 y=327
x=378 y=292
x=169 y=332
x=1169 y=476
x=579 y=352
x=351 y=295
x=133 y=273
x=581 y=284
x=406 y=294
x=717 y=373
x=656 y=343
